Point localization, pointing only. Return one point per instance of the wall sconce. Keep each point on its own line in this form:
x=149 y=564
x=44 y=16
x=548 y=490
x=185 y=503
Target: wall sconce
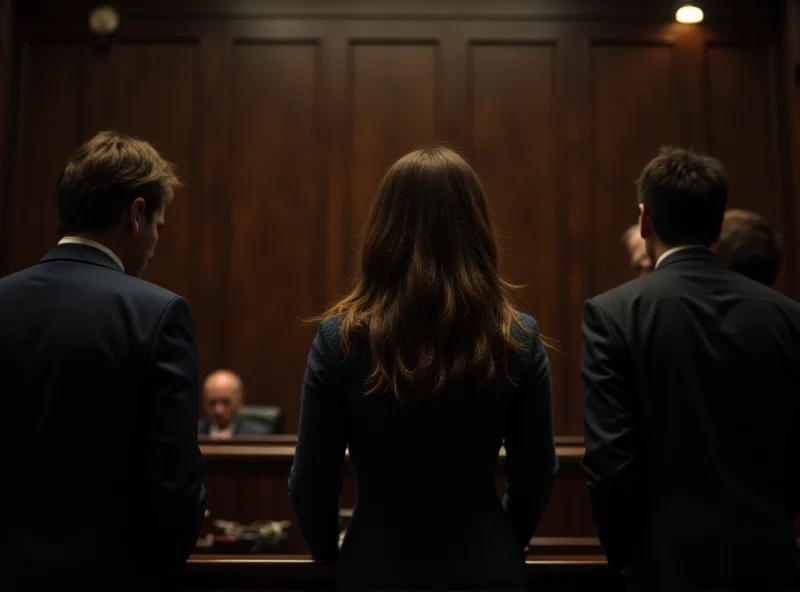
x=104 y=22
x=689 y=14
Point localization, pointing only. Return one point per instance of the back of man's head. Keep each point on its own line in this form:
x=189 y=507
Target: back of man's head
x=749 y=245
x=104 y=176
x=684 y=194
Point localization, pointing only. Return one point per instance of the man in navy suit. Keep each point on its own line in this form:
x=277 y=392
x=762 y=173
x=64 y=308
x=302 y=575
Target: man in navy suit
x=690 y=404
x=223 y=396
x=102 y=484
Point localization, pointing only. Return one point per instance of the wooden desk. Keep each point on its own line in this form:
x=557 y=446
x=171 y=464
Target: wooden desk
x=273 y=572
x=248 y=482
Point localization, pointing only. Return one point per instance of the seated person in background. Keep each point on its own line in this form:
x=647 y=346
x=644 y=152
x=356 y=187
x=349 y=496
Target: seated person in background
x=640 y=260
x=424 y=370
x=750 y=246
x=223 y=395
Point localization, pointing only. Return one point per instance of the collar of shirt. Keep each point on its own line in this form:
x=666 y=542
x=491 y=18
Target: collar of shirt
x=675 y=250
x=79 y=240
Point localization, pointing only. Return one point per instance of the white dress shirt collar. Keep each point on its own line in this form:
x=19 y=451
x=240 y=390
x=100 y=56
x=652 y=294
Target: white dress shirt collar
x=675 y=250
x=79 y=240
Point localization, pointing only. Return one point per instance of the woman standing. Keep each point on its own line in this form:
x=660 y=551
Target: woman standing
x=424 y=370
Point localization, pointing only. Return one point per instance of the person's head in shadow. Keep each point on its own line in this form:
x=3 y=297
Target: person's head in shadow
x=682 y=200
x=114 y=191
x=223 y=397
x=750 y=246
x=428 y=294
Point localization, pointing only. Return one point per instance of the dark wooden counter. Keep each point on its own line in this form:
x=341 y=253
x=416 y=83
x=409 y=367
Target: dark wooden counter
x=271 y=572
x=246 y=480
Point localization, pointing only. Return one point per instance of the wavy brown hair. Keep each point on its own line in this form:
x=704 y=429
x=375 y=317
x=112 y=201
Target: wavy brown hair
x=428 y=294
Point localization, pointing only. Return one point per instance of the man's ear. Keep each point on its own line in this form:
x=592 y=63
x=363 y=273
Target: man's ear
x=136 y=214
x=645 y=223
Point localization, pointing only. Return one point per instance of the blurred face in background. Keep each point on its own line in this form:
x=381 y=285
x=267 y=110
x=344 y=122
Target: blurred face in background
x=222 y=398
x=640 y=261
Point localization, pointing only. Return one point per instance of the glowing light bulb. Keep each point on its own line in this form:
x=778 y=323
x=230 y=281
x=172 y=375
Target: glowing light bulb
x=689 y=14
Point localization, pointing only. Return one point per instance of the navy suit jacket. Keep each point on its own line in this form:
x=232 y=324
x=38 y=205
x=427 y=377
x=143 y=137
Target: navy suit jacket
x=100 y=400
x=428 y=515
x=692 y=430
x=242 y=426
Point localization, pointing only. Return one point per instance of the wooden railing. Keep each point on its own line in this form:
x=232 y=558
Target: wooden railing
x=287 y=573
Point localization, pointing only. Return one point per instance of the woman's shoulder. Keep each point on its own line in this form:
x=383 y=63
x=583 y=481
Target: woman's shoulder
x=527 y=333
x=329 y=333
x=331 y=326
x=527 y=320
x=329 y=343
x=527 y=329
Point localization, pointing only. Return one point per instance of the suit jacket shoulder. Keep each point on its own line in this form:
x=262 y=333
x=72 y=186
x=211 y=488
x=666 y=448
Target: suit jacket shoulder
x=329 y=333
x=529 y=334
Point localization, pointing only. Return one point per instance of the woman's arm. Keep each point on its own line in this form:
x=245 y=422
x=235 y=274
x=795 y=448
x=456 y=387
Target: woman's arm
x=531 y=463
x=315 y=480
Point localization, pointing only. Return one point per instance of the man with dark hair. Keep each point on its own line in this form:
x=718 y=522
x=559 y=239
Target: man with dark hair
x=103 y=487
x=640 y=260
x=691 y=432
x=750 y=246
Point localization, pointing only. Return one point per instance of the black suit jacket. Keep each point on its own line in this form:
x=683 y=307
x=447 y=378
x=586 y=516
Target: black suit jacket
x=428 y=515
x=99 y=398
x=692 y=426
x=242 y=426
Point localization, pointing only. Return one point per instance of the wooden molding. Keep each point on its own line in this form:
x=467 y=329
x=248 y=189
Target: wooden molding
x=286 y=452
x=627 y=10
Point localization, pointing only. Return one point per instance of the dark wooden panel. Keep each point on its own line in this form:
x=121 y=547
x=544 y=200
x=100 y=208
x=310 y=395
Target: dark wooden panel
x=791 y=77
x=393 y=111
x=153 y=95
x=743 y=126
x=635 y=109
x=210 y=209
x=742 y=123
x=49 y=130
x=6 y=63
x=277 y=218
x=515 y=151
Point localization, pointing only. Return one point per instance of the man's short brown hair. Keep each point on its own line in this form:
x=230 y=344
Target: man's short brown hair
x=685 y=195
x=105 y=175
x=750 y=246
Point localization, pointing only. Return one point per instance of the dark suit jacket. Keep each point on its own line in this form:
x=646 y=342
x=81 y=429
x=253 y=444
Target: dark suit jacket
x=428 y=514
x=692 y=426
x=242 y=426
x=100 y=393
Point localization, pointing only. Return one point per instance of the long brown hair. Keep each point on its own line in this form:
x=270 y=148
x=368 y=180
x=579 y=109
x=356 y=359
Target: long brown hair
x=428 y=294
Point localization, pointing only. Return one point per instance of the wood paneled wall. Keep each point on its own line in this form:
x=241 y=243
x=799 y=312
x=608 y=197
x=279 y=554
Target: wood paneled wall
x=283 y=116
